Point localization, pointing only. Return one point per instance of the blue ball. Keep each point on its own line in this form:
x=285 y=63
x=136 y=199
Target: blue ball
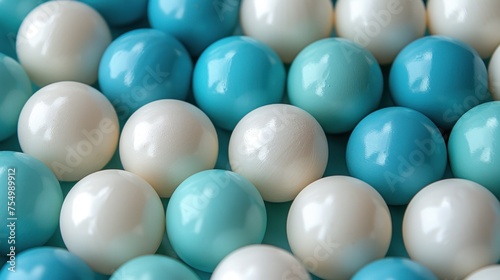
x=31 y=200
x=15 y=90
x=336 y=81
x=197 y=24
x=47 y=263
x=154 y=267
x=474 y=146
x=440 y=77
x=235 y=76
x=394 y=269
x=142 y=66
x=213 y=213
x=398 y=151
x=119 y=12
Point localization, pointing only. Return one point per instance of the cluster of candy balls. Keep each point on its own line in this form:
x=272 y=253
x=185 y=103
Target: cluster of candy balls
x=250 y=139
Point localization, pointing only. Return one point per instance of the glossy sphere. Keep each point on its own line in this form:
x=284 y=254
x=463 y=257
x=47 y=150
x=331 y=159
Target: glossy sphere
x=14 y=92
x=260 y=262
x=287 y=30
x=330 y=243
x=394 y=268
x=485 y=273
x=71 y=127
x=197 y=24
x=154 y=267
x=45 y=263
x=34 y=194
x=398 y=151
x=213 y=213
x=453 y=227
x=167 y=141
x=119 y=12
x=474 y=23
x=280 y=148
x=62 y=41
x=494 y=74
x=110 y=217
x=384 y=27
x=439 y=77
x=142 y=66
x=236 y=75
x=336 y=81
x=474 y=146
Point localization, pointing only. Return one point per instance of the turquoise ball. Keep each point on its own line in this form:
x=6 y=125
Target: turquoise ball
x=154 y=267
x=394 y=268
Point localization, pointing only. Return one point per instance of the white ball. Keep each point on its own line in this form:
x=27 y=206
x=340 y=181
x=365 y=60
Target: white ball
x=280 y=149
x=167 y=141
x=287 y=26
x=110 y=217
x=494 y=74
x=453 y=227
x=71 y=127
x=260 y=262
x=486 y=273
x=62 y=41
x=474 y=22
x=337 y=225
x=384 y=27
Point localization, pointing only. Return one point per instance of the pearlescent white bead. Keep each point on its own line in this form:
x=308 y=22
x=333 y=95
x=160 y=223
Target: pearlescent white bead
x=486 y=273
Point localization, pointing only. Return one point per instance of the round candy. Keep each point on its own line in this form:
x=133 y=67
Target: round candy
x=384 y=27
x=398 y=151
x=474 y=146
x=213 y=213
x=154 y=267
x=14 y=92
x=485 y=273
x=287 y=30
x=62 y=41
x=337 y=225
x=260 y=262
x=31 y=200
x=280 y=148
x=111 y=217
x=45 y=263
x=494 y=74
x=236 y=75
x=119 y=12
x=453 y=227
x=336 y=81
x=394 y=268
x=474 y=22
x=142 y=66
x=71 y=127
x=440 y=77
x=197 y=24
x=167 y=141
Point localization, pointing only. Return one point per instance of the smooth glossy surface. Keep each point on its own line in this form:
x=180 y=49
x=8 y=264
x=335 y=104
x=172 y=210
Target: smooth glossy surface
x=30 y=194
x=45 y=263
x=167 y=141
x=213 y=213
x=287 y=30
x=439 y=77
x=142 y=66
x=394 y=268
x=111 y=217
x=71 y=127
x=280 y=149
x=119 y=12
x=485 y=273
x=453 y=227
x=14 y=92
x=398 y=151
x=336 y=81
x=195 y=23
x=260 y=262
x=494 y=74
x=384 y=27
x=337 y=225
x=236 y=75
x=474 y=146
x=154 y=267
x=62 y=41
x=475 y=23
